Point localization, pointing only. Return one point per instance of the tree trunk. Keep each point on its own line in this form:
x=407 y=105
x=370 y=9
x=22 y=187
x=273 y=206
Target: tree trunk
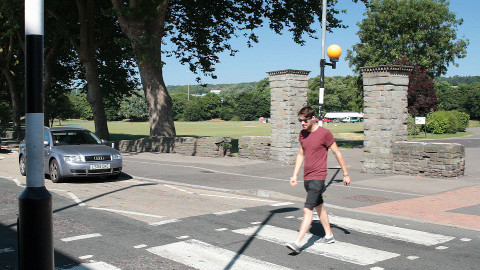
x=148 y=55
x=95 y=99
x=158 y=100
x=17 y=126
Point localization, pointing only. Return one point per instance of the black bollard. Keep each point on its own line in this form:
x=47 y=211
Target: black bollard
x=35 y=227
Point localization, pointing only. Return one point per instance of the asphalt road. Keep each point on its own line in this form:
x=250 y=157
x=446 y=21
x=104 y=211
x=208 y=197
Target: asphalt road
x=175 y=212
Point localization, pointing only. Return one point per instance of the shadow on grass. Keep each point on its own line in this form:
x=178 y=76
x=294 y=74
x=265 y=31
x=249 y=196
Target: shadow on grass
x=349 y=144
x=122 y=136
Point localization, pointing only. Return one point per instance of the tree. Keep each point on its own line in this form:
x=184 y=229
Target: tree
x=261 y=94
x=421 y=94
x=449 y=98
x=91 y=31
x=198 y=31
x=422 y=31
x=134 y=107
x=341 y=94
x=11 y=57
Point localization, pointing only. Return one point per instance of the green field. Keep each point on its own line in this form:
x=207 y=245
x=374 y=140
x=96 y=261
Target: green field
x=348 y=135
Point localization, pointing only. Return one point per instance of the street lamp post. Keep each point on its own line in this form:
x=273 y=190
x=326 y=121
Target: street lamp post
x=334 y=52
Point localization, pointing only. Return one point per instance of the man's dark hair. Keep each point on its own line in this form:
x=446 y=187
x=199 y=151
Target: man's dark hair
x=307 y=111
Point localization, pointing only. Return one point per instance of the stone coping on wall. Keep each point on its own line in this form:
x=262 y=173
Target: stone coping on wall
x=288 y=71
x=386 y=68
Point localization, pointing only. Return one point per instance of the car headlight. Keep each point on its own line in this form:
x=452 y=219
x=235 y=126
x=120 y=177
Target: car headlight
x=117 y=157
x=73 y=158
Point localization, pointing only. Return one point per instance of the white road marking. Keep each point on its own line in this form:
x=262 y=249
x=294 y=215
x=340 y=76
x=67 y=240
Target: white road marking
x=76 y=199
x=256 y=223
x=126 y=212
x=466 y=239
x=163 y=222
x=93 y=266
x=228 y=212
x=219 y=196
x=377 y=268
x=17 y=182
x=412 y=257
x=80 y=237
x=140 y=246
x=282 y=204
x=397 y=233
x=183 y=237
x=441 y=247
x=85 y=257
x=290 y=217
x=210 y=170
x=6 y=250
x=221 y=229
x=203 y=256
x=339 y=250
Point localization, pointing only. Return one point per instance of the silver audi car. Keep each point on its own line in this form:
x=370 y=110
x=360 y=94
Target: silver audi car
x=74 y=152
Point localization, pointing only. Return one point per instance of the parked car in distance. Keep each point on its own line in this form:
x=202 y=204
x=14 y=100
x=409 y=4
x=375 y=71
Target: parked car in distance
x=326 y=120
x=74 y=152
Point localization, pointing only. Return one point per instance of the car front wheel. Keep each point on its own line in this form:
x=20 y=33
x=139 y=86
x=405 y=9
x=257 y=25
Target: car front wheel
x=55 y=175
x=22 y=165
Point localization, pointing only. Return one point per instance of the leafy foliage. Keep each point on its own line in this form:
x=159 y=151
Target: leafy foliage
x=421 y=94
x=422 y=31
x=458 y=80
x=441 y=122
x=464 y=98
x=341 y=94
x=134 y=107
x=80 y=107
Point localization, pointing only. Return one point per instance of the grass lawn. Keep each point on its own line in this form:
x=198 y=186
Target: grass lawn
x=348 y=135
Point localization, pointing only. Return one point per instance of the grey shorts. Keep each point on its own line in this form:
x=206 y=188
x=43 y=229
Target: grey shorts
x=314 y=190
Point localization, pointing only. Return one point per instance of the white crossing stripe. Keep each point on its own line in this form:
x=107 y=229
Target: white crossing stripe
x=5 y=250
x=163 y=222
x=203 y=256
x=397 y=233
x=228 y=212
x=282 y=204
x=80 y=237
x=93 y=266
x=339 y=250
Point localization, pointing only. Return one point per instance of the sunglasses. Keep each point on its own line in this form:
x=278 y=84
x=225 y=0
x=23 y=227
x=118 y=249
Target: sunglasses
x=304 y=120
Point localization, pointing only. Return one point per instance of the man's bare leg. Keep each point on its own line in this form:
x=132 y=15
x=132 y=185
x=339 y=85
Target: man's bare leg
x=305 y=225
x=323 y=215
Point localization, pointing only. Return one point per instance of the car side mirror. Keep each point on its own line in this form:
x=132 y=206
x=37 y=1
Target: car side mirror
x=45 y=143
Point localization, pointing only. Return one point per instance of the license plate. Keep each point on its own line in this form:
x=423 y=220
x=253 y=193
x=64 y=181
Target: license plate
x=99 y=166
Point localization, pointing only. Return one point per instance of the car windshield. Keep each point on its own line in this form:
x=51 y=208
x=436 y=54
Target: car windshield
x=74 y=137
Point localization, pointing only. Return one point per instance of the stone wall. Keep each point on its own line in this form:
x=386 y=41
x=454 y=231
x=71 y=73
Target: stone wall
x=189 y=146
x=255 y=147
x=385 y=115
x=429 y=159
x=288 y=92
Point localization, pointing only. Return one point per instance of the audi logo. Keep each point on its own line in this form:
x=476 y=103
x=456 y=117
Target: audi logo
x=99 y=158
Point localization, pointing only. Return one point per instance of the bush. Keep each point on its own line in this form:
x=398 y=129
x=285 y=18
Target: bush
x=462 y=120
x=441 y=122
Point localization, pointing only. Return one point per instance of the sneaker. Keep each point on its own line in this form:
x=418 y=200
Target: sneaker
x=326 y=240
x=293 y=247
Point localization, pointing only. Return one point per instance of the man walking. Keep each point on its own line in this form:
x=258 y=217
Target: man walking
x=315 y=142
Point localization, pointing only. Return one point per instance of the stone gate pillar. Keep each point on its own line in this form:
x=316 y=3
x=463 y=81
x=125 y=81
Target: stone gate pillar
x=385 y=115
x=288 y=92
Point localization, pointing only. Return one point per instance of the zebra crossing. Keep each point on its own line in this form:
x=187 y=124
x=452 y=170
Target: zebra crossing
x=200 y=254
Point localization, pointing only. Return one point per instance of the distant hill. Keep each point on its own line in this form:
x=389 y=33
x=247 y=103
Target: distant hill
x=457 y=80
x=199 y=89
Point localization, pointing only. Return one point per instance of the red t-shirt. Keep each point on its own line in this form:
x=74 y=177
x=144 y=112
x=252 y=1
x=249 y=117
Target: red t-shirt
x=315 y=147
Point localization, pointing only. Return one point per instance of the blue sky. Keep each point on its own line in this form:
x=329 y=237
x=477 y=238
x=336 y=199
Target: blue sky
x=275 y=52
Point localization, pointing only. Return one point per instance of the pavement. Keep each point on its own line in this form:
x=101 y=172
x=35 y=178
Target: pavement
x=452 y=202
